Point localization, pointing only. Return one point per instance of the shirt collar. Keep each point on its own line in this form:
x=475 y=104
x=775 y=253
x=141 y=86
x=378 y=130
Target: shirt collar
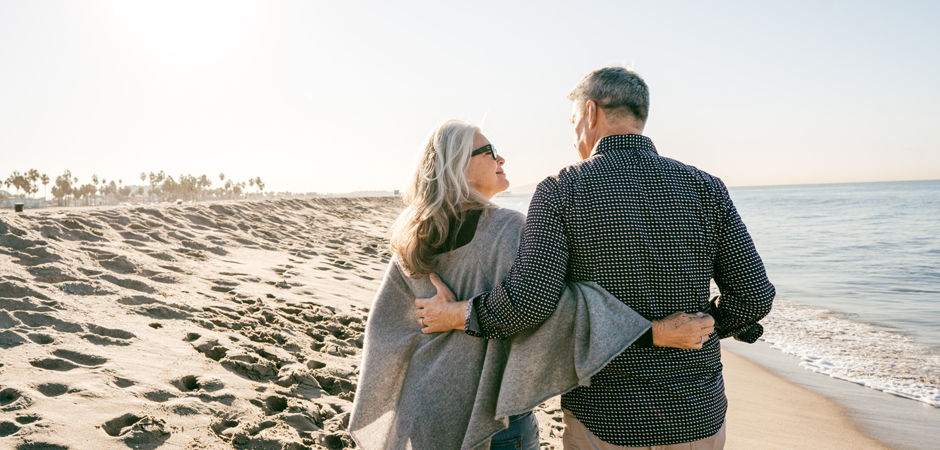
x=624 y=141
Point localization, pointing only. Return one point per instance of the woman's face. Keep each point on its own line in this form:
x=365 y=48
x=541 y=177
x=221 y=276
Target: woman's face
x=485 y=173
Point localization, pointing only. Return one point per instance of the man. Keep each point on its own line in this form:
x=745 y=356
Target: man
x=653 y=232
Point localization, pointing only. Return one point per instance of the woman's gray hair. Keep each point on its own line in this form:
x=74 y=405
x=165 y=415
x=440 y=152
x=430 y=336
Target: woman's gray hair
x=437 y=191
x=620 y=91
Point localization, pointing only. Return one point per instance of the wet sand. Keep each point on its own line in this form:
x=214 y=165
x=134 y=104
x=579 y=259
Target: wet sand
x=766 y=412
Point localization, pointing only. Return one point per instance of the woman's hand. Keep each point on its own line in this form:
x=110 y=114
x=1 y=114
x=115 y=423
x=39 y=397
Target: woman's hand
x=442 y=312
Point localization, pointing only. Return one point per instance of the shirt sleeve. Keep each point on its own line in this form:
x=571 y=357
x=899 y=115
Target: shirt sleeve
x=536 y=280
x=746 y=293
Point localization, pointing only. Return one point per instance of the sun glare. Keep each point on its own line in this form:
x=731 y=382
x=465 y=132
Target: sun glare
x=186 y=32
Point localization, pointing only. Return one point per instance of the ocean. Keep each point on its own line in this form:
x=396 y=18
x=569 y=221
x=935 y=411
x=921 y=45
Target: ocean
x=857 y=272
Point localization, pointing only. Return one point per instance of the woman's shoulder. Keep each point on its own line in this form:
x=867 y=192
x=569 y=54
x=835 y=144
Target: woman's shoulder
x=507 y=216
x=504 y=221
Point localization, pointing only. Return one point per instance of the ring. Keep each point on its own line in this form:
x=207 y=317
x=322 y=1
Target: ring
x=421 y=321
x=702 y=340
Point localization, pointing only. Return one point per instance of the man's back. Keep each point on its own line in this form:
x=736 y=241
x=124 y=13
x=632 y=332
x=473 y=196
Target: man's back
x=653 y=232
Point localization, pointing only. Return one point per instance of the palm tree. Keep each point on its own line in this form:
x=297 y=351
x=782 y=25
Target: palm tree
x=14 y=181
x=32 y=185
x=204 y=183
x=45 y=181
x=94 y=180
x=154 y=180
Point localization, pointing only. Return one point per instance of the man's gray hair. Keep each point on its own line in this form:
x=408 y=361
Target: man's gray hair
x=620 y=91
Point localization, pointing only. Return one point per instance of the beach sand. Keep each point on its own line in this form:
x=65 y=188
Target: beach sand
x=219 y=325
x=766 y=412
x=239 y=325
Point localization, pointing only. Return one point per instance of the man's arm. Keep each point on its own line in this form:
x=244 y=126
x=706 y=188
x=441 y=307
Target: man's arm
x=535 y=282
x=746 y=293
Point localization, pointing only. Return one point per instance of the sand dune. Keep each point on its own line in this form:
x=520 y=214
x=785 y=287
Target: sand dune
x=226 y=325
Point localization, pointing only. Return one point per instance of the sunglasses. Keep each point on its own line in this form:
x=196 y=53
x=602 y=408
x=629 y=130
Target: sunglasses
x=484 y=149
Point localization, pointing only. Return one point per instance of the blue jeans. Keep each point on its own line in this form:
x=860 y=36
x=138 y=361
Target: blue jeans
x=522 y=434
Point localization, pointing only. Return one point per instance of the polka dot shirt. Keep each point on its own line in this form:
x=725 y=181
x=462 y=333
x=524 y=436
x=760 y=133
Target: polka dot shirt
x=653 y=232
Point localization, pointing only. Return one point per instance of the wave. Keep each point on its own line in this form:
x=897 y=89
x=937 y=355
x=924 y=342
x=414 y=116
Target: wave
x=870 y=355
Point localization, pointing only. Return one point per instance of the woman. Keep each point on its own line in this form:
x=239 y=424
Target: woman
x=450 y=390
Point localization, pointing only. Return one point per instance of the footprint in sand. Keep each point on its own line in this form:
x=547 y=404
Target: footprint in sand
x=34 y=445
x=90 y=272
x=188 y=383
x=162 y=312
x=191 y=337
x=164 y=278
x=66 y=364
x=27 y=419
x=224 y=286
x=212 y=350
x=83 y=289
x=108 y=336
x=36 y=320
x=119 y=265
x=56 y=364
x=159 y=396
x=10 y=339
x=123 y=382
x=80 y=358
x=223 y=424
x=271 y=405
x=52 y=389
x=7 y=428
x=194 y=383
x=12 y=400
x=137 y=300
x=133 y=429
x=51 y=273
x=173 y=268
x=128 y=283
x=161 y=256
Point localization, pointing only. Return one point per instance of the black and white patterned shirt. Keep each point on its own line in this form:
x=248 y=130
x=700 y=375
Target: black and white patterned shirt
x=653 y=232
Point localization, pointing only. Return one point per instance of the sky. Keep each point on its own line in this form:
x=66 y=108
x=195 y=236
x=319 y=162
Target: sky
x=338 y=96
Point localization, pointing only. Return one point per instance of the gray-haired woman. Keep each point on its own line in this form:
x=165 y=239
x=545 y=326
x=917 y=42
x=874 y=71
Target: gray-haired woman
x=450 y=390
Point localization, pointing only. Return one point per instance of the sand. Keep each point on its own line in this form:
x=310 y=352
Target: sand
x=239 y=325
x=225 y=325
x=766 y=412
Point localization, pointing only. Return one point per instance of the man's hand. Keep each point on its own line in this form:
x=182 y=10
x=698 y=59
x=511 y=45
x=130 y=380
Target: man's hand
x=442 y=312
x=683 y=330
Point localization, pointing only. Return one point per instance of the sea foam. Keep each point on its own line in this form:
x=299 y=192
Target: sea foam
x=827 y=342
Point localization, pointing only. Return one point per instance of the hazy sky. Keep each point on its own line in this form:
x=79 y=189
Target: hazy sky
x=338 y=96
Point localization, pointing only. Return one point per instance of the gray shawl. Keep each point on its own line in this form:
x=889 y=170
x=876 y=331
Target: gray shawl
x=450 y=390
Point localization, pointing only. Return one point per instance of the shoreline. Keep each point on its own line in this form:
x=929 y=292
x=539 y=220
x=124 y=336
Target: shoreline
x=764 y=411
x=896 y=422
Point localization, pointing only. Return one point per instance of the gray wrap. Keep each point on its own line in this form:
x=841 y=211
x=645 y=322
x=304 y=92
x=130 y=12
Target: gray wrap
x=450 y=390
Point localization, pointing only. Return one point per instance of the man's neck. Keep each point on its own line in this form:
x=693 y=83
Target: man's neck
x=617 y=130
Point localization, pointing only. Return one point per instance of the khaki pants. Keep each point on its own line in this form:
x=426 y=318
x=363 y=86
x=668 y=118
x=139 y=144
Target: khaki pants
x=578 y=437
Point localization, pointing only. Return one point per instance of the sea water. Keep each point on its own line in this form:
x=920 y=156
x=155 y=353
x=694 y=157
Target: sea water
x=857 y=272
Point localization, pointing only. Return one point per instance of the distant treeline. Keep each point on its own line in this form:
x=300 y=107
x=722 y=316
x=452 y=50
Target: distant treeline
x=68 y=191
x=158 y=187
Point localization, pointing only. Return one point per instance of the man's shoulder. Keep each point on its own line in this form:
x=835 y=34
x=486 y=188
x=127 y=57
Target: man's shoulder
x=680 y=169
x=602 y=166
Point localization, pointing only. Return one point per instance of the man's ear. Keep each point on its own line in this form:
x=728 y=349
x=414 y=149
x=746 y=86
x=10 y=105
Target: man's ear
x=591 y=112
